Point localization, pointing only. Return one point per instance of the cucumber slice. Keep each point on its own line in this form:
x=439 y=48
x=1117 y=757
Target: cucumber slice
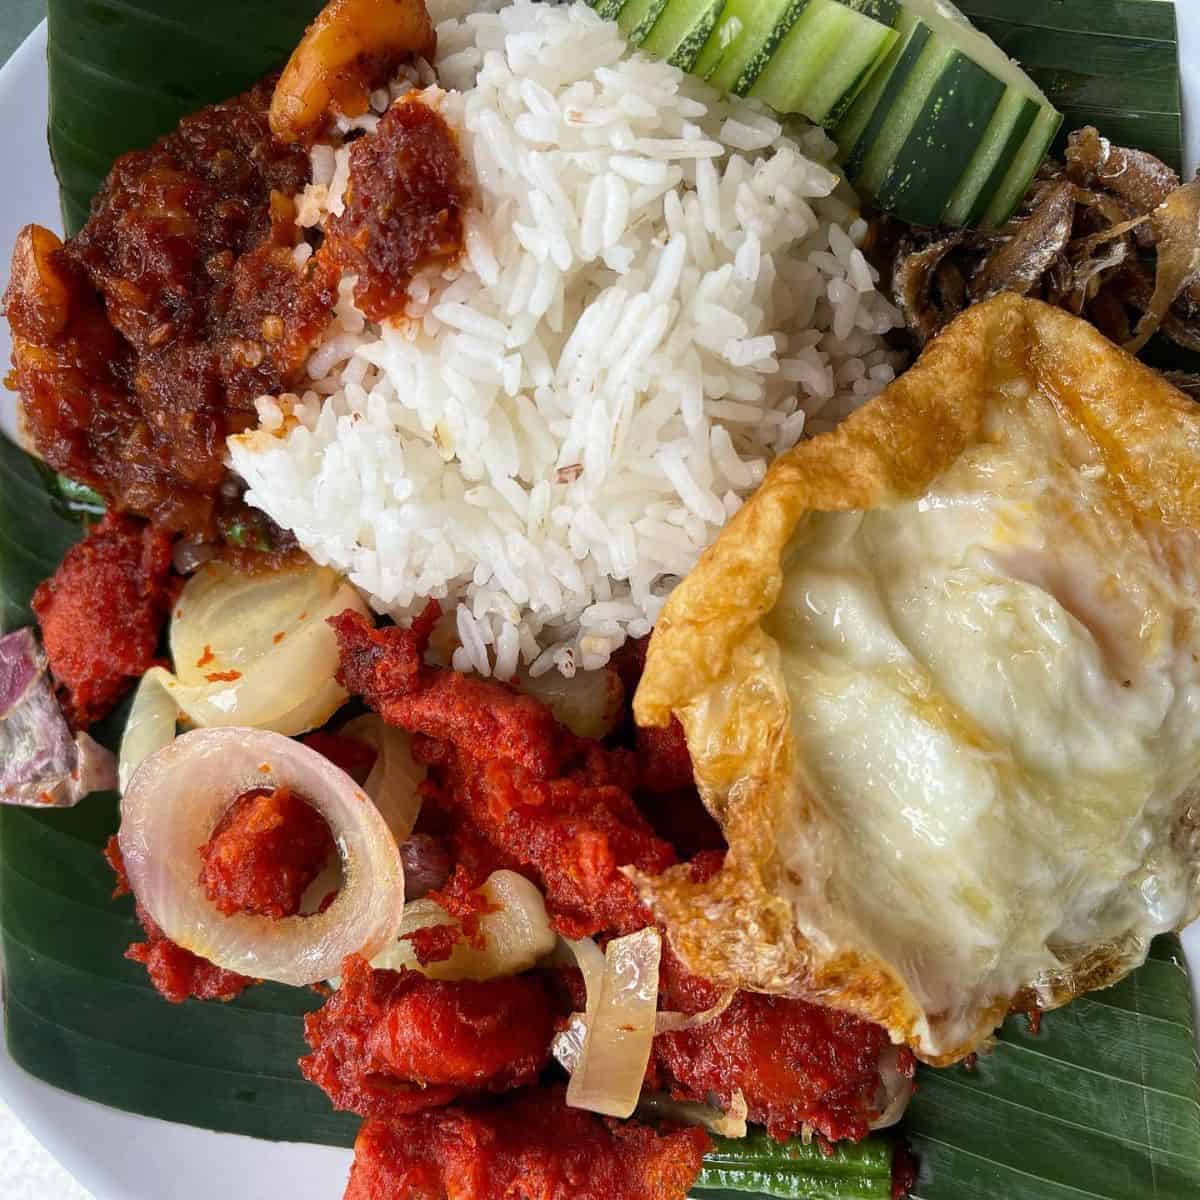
x=608 y=9
x=750 y=30
x=923 y=176
x=638 y=17
x=680 y=32
x=757 y=1164
x=988 y=124
x=998 y=149
x=1024 y=167
x=823 y=62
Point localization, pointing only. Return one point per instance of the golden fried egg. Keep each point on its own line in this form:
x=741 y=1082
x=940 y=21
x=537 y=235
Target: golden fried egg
x=940 y=679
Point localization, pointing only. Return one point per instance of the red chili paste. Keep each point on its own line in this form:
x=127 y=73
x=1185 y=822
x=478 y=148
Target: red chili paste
x=403 y=206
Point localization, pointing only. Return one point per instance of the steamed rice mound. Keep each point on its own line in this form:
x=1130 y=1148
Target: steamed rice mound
x=661 y=291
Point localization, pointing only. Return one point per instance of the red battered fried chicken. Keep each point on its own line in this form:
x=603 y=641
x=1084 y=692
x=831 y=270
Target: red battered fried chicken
x=507 y=775
x=102 y=613
x=386 y=667
x=529 y=1147
x=265 y=851
x=796 y=1064
x=178 y=974
x=390 y=1043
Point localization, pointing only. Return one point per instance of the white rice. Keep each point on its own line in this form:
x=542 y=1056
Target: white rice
x=662 y=289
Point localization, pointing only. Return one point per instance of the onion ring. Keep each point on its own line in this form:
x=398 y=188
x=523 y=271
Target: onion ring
x=173 y=803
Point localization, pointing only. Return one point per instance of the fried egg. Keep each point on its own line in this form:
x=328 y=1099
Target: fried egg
x=940 y=679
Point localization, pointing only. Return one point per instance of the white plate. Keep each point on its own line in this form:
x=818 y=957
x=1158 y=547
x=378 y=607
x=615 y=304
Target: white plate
x=116 y=1155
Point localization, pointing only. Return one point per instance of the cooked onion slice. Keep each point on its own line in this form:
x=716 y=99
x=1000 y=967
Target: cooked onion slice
x=677 y=1022
x=588 y=703
x=169 y=810
x=255 y=649
x=395 y=776
x=659 y=1106
x=619 y=1027
x=151 y=724
x=895 y=1089
x=516 y=936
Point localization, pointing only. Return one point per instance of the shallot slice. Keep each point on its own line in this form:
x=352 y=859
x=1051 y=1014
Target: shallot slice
x=619 y=1027
x=170 y=808
x=515 y=935
x=395 y=778
x=41 y=763
x=256 y=650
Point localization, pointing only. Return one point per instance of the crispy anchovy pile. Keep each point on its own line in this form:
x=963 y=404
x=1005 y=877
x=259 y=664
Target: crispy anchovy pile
x=1112 y=235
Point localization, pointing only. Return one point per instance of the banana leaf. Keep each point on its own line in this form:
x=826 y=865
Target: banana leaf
x=122 y=73
x=1103 y=1103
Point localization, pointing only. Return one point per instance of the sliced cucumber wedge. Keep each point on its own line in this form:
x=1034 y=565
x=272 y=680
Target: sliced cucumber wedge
x=682 y=29
x=822 y=63
x=949 y=130
x=608 y=9
x=638 y=17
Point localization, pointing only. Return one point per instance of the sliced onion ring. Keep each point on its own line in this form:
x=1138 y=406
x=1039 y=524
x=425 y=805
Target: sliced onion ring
x=516 y=935
x=677 y=1022
x=619 y=1027
x=395 y=776
x=169 y=810
x=151 y=724
x=255 y=649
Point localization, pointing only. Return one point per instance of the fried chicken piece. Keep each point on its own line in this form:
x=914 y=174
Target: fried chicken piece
x=530 y=1147
x=572 y=833
x=265 y=851
x=795 y=1063
x=390 y=1043
x=178 y=974
x=102 y=612
x=552 y=805
x=386 y=667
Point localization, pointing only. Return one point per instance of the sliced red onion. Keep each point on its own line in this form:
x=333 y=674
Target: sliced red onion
x=189 y=555
x=588 y=703
x=426 y=865
x=255 y=650
x=41 y=763
x=619 y=1027
x=151 y=725
x=169 y=810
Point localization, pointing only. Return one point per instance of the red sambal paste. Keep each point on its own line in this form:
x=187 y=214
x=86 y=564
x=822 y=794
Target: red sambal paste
x=403 y=206
x=142 y=343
